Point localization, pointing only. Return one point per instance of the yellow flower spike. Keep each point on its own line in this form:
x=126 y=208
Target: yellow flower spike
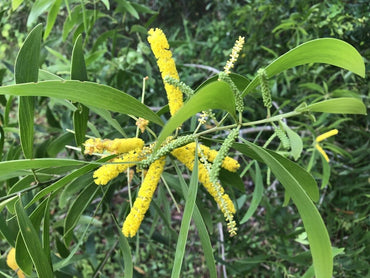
x=228 y=163
x=120 y=146
x=186 y=157
x=117 y=146
x=323 y=137
x=108 y=172
x=326 y=135
x=143 y=199
x=93 y=145
x=234 y=54
x=10 y=261
x=321 y=150
x=160 y=47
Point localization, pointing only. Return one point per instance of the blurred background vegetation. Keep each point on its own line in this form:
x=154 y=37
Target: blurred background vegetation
x=201 y=35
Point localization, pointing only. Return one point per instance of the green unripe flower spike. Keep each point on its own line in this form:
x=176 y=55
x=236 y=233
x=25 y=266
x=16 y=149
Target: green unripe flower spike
x=167 y=148
x=185 y=89
x=266 y=93
x=222 y=153
x=238 y=96
x=283 y=137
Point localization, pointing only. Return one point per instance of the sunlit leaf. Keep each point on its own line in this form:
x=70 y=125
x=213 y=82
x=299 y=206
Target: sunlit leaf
x=88 y=93
x=216 y=95
x=344 y=105
x=330 y=51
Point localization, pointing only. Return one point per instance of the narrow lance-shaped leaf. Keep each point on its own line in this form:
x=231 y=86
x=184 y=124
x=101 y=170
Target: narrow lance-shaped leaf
x=185 y=223
x=257 y=195
x=88 y=93
x=343 y=105
x=23 y=257
x=32 y=242
x=8 y=168
x=26 y=70
x=200 y=225
x=78 y=72
x=52 y=16
x=76 y=210
x=314 y=225
x=330 y=51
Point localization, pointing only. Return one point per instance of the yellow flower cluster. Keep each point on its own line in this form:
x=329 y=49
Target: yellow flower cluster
x=323 y=137
x=160 y=47
x=185 y=155
x=234 y=54
x=118 y=165
x=130 y=151
x=10 y=261
x=143 y=199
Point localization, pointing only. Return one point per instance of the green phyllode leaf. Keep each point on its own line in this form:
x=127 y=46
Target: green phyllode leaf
x=343 y=105
x=13 y=168
x=216 y=95
x=327 y=50
x=88 y=93
x=185 y=223
x=257 y=195
x=76 y=210
x=314 y=225
x=32 y=243
x=78 y=72
x=26 y=70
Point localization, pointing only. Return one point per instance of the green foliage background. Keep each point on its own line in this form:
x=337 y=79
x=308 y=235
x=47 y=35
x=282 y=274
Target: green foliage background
x=201 y=35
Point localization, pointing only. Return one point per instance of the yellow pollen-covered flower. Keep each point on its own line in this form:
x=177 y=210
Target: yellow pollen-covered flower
x=142 y=124
x=321 y=150
x=326 y=135
x=10 y=261
x=160 y=47
x=228 y=163
x=143 y=199
x=94 y=145
x=234 y=54
x=186 y=157
x=116 y=146
x=323 y=137
x=108 y=172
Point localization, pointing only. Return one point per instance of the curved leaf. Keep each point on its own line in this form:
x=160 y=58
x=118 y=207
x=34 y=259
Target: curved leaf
x=314 y=225
x=257 y=195
x=185 y=223
x=78 y=72
x=327 y=50
x=216 y=95
x=8 y=168
x=200 y=225
x=304 y=178
x=88 y=93
x=343 y=105
x=26 y=69
x=79 y=205
x=32 y=242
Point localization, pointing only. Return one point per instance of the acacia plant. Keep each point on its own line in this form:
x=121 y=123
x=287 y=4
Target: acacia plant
x=163 y=142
